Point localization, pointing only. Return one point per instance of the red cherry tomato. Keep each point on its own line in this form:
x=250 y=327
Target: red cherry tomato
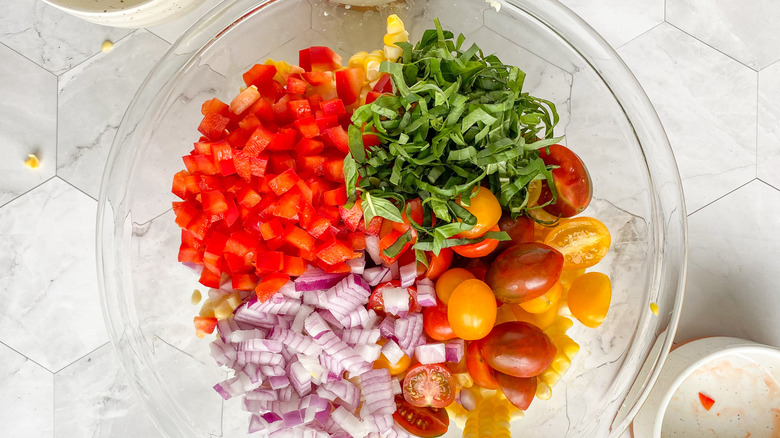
x=481 y=249
x=376 y=302
x=521 y=230
x=429 y=385
x=436 y=324
x=420 y=421
x=572 y=182
x=518 y=349
x=438 y=264
x=479 y=370
x=518 y=390
x=524 y=272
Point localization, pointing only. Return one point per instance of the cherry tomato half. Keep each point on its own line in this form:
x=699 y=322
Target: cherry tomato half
x=480 y=249
x=394 y=368
x=572 y=182
x=485 y=206
x=589 y=298
x=420 y=421
x=429 y=385
x=436 y=324
x=518 y=349
x=520 y=391
x=449 y=280
x=471 y=310
x=524 y=272
x=479 y=370
x=583 y=241
x=376 y=302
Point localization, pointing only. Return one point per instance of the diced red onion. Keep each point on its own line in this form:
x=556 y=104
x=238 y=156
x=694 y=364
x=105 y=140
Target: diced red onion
x=372 y=248
x=396 y=299
x=330 y=319
x=392 y=352
x=229 y=388
x=243 y=335
x=293 y=418
x=358 y=317
x=430 y=353
x=260 y=345
x=316 y=279
x=396 y=385
x=358 y=264
x=262 y=394
x=395 y=271
x=225 y=327
x=223 y=354
x=454 y=350
x=314 y=325
x=409 y=332
x=278 y=305
x=290 y=291
x=300 y=378
x=360 y=336
x=369 y=352
x=387 y=327
x=346 y=391
x=376 y=275
x=271 y=370
x=351 y=424
x=296 y=342
x=426 y=293
x=408 y=273
x=300 y=317
x=467 y=399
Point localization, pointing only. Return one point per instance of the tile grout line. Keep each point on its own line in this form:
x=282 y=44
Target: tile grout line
x=721 y=197
x=29 y=190
x=713 y=48
x=638 y=36
x=30 y=60
x=25 y=356
x=72 y=185
x=83 y=356
x=769 y=184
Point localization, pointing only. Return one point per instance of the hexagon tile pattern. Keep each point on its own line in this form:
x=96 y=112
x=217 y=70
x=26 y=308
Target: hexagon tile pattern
x=93 y=99
x=707 y=104
x=769 y=125
x=27 y=390
x=93 y=399
x=729 y=289
x=49 y=37
x=747 y=31
x=51 y=311
x=619 y=21
x=29 y=99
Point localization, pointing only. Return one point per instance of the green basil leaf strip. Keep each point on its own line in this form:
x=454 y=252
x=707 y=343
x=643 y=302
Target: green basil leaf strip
x=356 y=148
x=350 y=173
x=393 y=250
x=373 y=206
x=421 y=257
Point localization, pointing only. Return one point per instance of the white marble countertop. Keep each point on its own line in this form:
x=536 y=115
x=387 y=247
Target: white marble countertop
x=709 y=66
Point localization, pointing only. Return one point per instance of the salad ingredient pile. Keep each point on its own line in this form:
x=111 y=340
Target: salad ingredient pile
x=390 y=246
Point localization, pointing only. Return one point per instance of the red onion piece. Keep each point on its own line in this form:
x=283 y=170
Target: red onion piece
x=316 y=279
x=408 y=273
x=392 y=352
x=372 y=248
x=426 y=293
x=454 y=350
x=430 y=353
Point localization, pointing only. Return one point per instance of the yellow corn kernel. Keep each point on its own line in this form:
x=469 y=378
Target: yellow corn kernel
x=394 y=24
x=234 y=299
x=654 y=308
x=32 y=161
x=223 y=310
x=396 y=33
x=543 y=390
x=358 y=60
x=207 y=310
x=196 y=297
x=463 y=380
x=106 y=46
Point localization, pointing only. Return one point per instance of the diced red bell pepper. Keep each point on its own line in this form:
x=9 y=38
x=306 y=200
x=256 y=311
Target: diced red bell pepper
x=309 y=146
x=352 y=216
x=272 y=228
x=311 y=165
x=318 y=227
x=244 y=100
x=259 y=74
x=387 y=241
x=232 y=214
x=248 y=197
x=237 y=138
x=213 y=126
x=247 y=281
x=235 y=264
x=268 y=261
x=298 y=237
x=371 y=96
x=329 y=212
x=339 y=138
x=373 y=226
x=284 y=140
x=203 y=147
x=210 y=279
x=258 y=165
x=272 y=90
x=349 y=83
x=333 y=107
x=204 y=325
x=295 y=85
x=283 y=182
x=275 y=243
x=210 y=182
x=199 y=226
x=288 y=205
x=215 y=106
x=250 y=122
x=184 y=184
x=258 y=141
x=306 y=192
x=262 y=184
x=269 y=285
x=243 y=164
x=214 y=249
x=334 y=251
x=318 y=77
x=384 y=84
x=263 y=110
x=334 y=170
x=189 y=254
x=318 y=186
x=357 y=240
x=326 y=121
x=371 y=140
x=294 y=266
x=338 y=268
x=300 y=108
x=308 y=127
x=282 y=114
x=241 y=243
x=214 y=203
x=278 y=162
x=314 y=101
x=318 y=58
x=337 y=196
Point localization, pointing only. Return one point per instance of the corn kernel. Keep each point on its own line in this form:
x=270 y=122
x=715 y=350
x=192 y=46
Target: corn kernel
x=106 y=46
x=196 y=297
x=207 y=310
x=394 y=24
x=223 y=310
x=32 y=161
x=654 y=308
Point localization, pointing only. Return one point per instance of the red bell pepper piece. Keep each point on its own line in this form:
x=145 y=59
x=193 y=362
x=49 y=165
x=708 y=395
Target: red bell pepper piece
x=311 y=165
x=278 y=162
x=250 y=122
x=334 y=170
x=259 y=74
x=318 y=77
x=268 y=261
x=241 y=243
x=283 y=182
x=337 y=196
x=309 y=146
x=357 y=240
x=288 y=205
x=204 y=325
x=387 y=241
x=199 y=226
x=248 y=197
x=298 y=237
x=215 y=106
x=308 y=127
x=272 y=228
x=352 y=216
x=300 y=108
x=318 y=58
x=214 y=203
x=284 y=140
x=294 y=266
x=258 y=141
x=184 y=184
x=325 y=121
x=384 y=84
x=334 y=251
x=339 y=138
x=210 y=279
x=263 y=110
x=270 y=284
x=349 y=83
x=333 y=107
x=213 y=126
x=244 y=281
x=295 y=85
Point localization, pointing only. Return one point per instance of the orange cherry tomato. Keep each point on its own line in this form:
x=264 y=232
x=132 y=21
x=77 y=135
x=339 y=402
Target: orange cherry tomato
x=481 y=249
x=472 y=310
x=589 y=298
x=437 y=264
x=583 y=241
x=485 y=206
x=479 y=370
x=449 y=280
x=544 y=302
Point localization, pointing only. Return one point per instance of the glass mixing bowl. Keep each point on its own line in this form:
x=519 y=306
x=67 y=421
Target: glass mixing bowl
x=607 y=120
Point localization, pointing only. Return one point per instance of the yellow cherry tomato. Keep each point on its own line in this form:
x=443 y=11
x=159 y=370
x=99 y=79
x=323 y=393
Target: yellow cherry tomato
x=542 y=303
x=541 y=320
x=589 y=298
x=396 y=368
x=472 y=310
x=484 y=205
x=449 y=280
x=583 y=241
